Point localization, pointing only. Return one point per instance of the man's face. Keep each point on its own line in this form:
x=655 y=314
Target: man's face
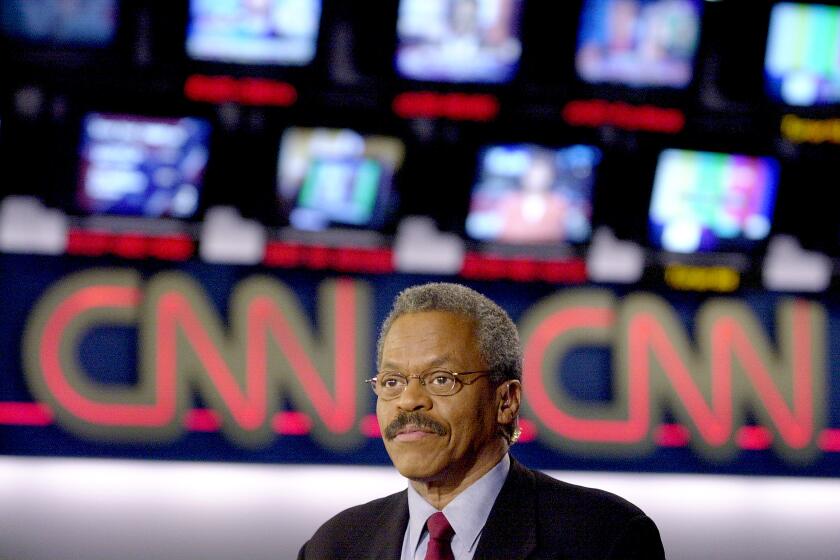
x=463 y=435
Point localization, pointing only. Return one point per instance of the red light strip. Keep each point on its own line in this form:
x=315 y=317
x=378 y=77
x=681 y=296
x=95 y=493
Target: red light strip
x=284 y=423
x=291 y=423
x=672 y=435
x=88 y=243
x=247 y=91
x=202 y=420
x=130 y=245
x=25 y=414
x=369 y=426
x=319 y=257
x=829 y=440
x=485 y=267
x=754 y=438
x=647 y=118
x=480 y=107
x=299 y=424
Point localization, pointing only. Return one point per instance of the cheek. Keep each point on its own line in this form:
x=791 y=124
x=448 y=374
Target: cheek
x=468 y=426
x=482 y=422
x=382 y=415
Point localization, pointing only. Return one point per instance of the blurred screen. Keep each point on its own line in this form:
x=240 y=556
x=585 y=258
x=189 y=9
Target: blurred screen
x=531 y=194
x=140 y=166
x=336 y=177
x=458 y=40
x=802 y=63
x=85 y=23
x=282 y=32
x=706 y=201
x=638 y=43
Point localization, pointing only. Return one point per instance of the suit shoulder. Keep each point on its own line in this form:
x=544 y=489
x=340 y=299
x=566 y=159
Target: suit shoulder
x=358 y=517
x=592 y=503
x=347 y=528
x=593 y=523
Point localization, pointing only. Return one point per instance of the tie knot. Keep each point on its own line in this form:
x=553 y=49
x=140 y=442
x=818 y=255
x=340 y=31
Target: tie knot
x=439 y=527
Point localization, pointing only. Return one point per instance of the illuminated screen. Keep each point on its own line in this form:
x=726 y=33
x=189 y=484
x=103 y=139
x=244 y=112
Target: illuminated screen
x=458 y=40
x=82 y=23
x=802 y=63
x=638 y=43
x=281 y=32
x=531 y=194
x=140 y=166
x=706 y=201
x=336 y=177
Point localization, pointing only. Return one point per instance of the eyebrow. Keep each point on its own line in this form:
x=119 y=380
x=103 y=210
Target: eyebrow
x=437 y=362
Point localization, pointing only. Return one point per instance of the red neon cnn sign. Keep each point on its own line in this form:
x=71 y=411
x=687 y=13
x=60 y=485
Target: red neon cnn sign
x=184 y=349
x=711 y=389
x=269 y=353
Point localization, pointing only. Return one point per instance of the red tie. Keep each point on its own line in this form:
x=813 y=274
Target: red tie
x=440 y=534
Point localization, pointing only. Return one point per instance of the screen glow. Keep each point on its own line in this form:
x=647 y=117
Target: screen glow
x=531 y=194
x=802 y=63
x=282 y=32
x=81 y=23
x=141 y=166
x=336 y=176
x=705 y=201
x=638 y=43
x=458 y=40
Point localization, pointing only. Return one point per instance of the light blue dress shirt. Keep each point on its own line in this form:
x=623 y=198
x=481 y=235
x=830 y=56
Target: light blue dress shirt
x=467 y=514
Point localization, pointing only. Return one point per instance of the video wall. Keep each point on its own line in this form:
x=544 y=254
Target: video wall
x=649 y=157
x=687 y=127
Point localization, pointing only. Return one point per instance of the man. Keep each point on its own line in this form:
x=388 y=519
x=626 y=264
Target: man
x=448 y=395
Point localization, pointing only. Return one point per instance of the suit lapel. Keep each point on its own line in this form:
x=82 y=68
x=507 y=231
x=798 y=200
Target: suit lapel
x=511 y=529
x=384 y=537
x=510 y=532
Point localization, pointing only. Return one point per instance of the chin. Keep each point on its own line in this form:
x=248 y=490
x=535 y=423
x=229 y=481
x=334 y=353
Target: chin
x=415 y=464
x=418 y=472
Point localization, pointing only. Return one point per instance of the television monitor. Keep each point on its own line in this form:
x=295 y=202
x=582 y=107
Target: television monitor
x=706 y=201
x=80 y=23
x=532 y=194
x=336 y=177
x=273 y=32
x=802 y=61
x=458 y=40
x=141 y=166
x=638 y=43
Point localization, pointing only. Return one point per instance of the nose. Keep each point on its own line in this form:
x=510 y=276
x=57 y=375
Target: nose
x=414 y=397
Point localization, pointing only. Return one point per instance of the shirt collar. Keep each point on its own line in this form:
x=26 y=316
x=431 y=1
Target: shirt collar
x=467 y=512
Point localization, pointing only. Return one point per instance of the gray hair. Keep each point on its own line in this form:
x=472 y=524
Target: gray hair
x=495 y=332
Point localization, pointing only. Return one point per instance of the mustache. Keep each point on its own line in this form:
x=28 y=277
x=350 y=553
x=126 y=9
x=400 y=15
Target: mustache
x=418 y=419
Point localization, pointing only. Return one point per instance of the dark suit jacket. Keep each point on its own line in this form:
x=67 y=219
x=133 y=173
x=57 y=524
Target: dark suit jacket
x=534 y=517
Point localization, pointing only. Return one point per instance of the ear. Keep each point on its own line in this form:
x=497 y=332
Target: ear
x=508 y=397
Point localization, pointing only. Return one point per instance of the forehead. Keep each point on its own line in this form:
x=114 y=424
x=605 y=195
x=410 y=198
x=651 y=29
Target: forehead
x=431 y=338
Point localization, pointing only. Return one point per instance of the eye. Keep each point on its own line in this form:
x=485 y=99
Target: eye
x=440 y=378
x=391 y=380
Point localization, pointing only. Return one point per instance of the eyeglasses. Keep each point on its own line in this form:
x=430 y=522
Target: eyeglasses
x=438 y=382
